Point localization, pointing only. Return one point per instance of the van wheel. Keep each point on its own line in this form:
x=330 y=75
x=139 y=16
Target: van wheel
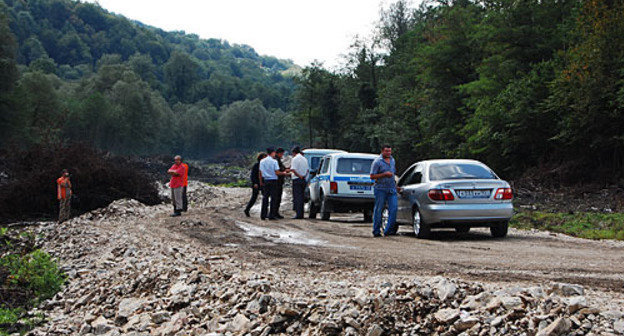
x=421 y=229
x=313 y=209
x=325 y=206
x=499 y=230
x=462 y=229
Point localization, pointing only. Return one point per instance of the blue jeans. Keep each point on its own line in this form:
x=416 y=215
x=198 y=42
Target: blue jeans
x=381 y=197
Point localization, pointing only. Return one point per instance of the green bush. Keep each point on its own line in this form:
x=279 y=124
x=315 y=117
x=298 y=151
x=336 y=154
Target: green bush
x=36 y=271
x=591 y=225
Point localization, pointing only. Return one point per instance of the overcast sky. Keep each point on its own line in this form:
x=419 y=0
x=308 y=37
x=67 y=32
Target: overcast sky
x=299 y=30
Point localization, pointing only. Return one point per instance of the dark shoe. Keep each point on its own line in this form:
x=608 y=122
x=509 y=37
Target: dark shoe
x=279 y=216
x=176 y=214
x=247 y=212
x=262 y=218
x=377 y=235
x=272 y=218
x=390 y=234
x=297 y=217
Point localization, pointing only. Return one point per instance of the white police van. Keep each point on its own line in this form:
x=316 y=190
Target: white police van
x=342 y=184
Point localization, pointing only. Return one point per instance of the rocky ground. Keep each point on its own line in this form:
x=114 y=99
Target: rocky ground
x=134 y=270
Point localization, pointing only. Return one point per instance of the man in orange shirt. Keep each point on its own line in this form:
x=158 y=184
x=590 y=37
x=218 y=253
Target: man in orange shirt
x=176 y=183
x=63 y=193
x=184 y=198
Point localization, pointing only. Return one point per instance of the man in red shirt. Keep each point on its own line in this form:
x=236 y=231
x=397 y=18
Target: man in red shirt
x=63 y=194
x=177 y=172
x=184 y=198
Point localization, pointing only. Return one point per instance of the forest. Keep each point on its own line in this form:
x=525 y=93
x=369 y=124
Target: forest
x=530 y=87
x=527 y=86
x=73 y=72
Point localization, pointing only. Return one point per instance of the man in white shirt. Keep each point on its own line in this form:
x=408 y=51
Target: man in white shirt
x=299 y=169
x=269 y=170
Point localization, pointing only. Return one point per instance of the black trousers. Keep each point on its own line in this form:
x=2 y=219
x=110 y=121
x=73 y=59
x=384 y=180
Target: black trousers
x=279 y=192
x=298 y=196
x=184 y=199
x=269 y=193
x=254 y=197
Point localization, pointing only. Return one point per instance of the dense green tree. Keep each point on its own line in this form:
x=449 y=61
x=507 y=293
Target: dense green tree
x=181 y=74
x=243 y=124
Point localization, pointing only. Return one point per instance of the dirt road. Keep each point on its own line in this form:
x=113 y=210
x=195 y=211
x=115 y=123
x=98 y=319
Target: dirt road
x=346 y=243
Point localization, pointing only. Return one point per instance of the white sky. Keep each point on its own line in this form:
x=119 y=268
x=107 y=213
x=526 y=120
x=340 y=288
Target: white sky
x=291 y=29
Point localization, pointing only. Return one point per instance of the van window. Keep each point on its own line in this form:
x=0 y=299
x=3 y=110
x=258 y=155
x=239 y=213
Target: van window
x=314 y=163
x=325 y=168
x=355 y=166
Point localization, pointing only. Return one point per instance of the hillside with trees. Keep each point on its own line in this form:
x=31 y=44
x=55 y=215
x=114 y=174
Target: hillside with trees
x=523 y=85
x=73 y=72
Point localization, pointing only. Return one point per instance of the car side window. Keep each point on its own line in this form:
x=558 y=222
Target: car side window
x=415 y=176
x=325 y=166
x=406 y=176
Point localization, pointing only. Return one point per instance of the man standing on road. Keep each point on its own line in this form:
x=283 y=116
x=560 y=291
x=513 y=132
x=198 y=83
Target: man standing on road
x=176 y=184
x=63 y=193
x=184 y=197
x=383 y=171
x=255 y=183
x=299 y=168
x=269 y=171
x=281 y=179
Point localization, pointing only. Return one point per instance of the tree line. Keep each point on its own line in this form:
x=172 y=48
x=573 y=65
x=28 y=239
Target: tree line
x=73 y=72
x=523 y=85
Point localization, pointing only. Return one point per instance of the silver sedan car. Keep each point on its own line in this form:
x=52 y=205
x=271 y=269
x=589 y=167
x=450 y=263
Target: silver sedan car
x=457 y=194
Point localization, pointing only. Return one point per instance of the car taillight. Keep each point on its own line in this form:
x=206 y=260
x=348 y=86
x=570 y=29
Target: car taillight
x=503 y=194
x=441 y=195
x=333 y=187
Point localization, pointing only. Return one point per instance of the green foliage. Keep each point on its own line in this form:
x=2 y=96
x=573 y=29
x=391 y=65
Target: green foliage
x=35 y=271
x=93 y=77
x=589 y=225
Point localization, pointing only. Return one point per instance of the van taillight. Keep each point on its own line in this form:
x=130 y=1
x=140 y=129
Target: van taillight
x=333 y=187
x=503 y=194
x=441 y=195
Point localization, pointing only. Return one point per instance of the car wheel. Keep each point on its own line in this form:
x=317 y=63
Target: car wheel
x=325 y=214
x=421 y=229
x=313 y=209
x=462 y=229
x=499 y=230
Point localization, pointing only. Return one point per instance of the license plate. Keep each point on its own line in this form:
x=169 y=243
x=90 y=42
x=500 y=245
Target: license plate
x=359 y=187
x=473 y=193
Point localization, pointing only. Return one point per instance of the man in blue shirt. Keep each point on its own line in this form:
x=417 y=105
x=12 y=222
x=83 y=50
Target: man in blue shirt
x=269 y=170
x=383 y=171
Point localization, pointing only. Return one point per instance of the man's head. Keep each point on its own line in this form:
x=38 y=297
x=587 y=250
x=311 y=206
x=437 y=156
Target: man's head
x=296 y=150
x=261 y=156
x=177 y=159
x=386 y=151
x=65 y=172
x=271 y=152
x=279 y=152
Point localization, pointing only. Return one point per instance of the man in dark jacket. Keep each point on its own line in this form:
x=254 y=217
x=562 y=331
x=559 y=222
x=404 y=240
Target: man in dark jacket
x=255 y=183
x=281 y=179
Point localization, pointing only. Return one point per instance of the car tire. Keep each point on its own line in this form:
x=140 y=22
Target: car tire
x=313 y=209
x=462 y=229
x=499 y=230
x=421 y=229
x=325 y=206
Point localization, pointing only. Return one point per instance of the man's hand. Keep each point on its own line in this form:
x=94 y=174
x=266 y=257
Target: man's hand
x=389 y=174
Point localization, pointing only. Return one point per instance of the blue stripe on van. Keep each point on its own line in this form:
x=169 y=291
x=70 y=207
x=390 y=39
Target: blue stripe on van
x=353 y=178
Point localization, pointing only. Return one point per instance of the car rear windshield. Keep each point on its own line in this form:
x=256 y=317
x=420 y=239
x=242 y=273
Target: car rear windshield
x=354 y=166
x=459 y=171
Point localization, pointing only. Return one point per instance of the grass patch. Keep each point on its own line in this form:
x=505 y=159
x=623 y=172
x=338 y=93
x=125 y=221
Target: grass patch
x=27 y=277
x=591 y=225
